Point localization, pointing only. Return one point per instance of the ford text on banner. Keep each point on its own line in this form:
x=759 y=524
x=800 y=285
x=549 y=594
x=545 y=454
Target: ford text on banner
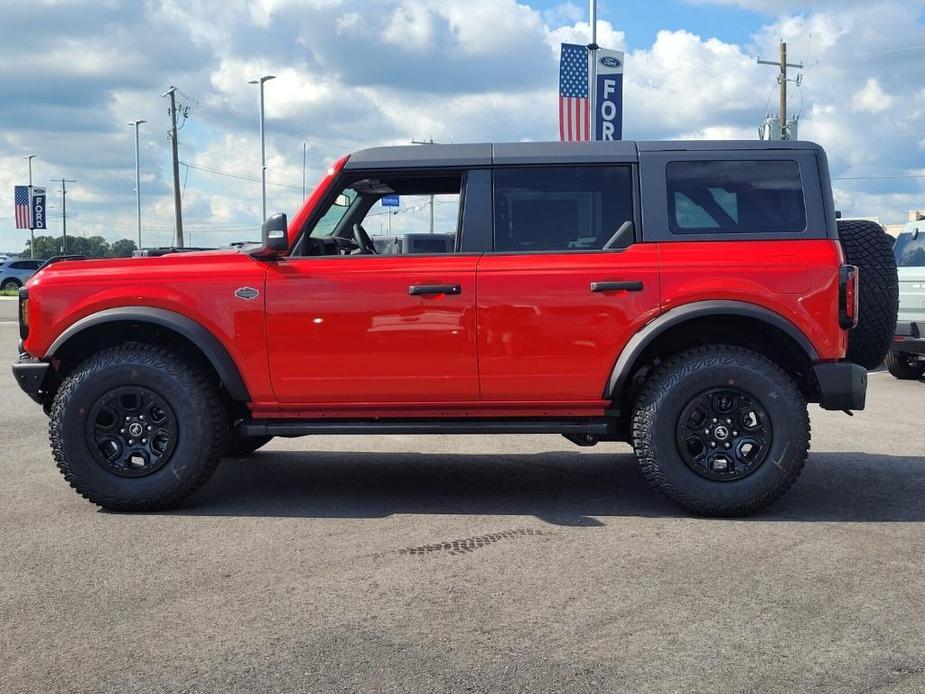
x=21 y=200
x=608 y=123
x=574 y=107
x=38 y=208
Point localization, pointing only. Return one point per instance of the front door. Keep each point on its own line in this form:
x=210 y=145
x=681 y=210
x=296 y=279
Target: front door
x=360 y=315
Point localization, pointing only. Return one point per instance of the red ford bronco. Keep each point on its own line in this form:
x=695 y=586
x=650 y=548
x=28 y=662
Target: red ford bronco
x=687 y=297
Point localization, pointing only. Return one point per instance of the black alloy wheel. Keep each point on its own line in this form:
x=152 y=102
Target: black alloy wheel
x=132 y=431
x=724 y=434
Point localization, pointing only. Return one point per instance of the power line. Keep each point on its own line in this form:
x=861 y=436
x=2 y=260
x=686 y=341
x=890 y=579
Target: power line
x=875 y=178
x=241 y=177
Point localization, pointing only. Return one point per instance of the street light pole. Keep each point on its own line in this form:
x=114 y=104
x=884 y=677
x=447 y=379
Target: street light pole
x=592 y=73
x=136 y=123
x=29 y=158
x=263 y=147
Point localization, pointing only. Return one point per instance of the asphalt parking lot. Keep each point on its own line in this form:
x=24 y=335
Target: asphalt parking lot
x=332 y=564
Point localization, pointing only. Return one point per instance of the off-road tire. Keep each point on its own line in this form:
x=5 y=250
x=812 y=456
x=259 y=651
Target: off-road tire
x=11 y=284
x=193 y=398
x=870 y=248
x=691 y=373
x=899 y=365
x=239 y=446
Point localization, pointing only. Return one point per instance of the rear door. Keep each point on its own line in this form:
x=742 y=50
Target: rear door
x=555 y=307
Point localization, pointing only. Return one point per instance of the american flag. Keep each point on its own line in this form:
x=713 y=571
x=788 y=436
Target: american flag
x=23 y=213
x=574 y=106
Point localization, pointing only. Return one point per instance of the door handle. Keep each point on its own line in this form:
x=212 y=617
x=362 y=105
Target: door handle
x=422 y=289
x=630 y=286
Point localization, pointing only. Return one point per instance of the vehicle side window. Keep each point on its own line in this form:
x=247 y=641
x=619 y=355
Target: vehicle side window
x=17 y=266
x=401 y=213
x=735 y=197
x=561 y=208
x=909 y=251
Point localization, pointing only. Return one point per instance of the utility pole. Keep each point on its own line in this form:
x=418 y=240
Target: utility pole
x=782 y=80
x=592 y=73
x=64 y=182
x=172 y=93
x=303 y=171
x=29 y=158
x=136 y=123
x=263 y=147
x=428 y=141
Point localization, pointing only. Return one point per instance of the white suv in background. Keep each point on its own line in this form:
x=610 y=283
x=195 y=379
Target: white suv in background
x=906 y=359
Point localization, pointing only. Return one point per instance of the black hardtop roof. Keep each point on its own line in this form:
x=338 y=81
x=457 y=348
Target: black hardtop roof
x=486 y=154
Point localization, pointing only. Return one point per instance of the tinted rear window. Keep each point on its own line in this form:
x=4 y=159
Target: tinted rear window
x=910 y=252
x=748 y=197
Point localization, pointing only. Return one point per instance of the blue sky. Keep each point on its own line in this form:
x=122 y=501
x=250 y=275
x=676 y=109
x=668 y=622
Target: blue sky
x=356 y=73
x=641 y=21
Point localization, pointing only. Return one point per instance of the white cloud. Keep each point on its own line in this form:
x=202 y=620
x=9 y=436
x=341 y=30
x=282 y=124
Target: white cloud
x=872 y=98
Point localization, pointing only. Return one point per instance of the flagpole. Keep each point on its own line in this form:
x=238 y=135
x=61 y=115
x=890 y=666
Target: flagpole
x=592 y=73
x=29 y=158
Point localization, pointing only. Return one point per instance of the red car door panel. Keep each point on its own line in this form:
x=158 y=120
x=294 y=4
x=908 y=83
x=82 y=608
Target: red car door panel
x=368 y=329
x=545 y=332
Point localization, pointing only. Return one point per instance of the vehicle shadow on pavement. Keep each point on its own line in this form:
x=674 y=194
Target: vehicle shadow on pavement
x=561 y=488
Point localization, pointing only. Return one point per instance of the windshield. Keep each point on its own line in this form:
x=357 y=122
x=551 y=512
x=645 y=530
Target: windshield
x=909 y=251
x=328 y=223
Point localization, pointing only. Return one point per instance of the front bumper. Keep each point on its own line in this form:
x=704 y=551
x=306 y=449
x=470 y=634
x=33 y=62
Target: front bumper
x=30 y=375
x=909 y=339
x=842 y=385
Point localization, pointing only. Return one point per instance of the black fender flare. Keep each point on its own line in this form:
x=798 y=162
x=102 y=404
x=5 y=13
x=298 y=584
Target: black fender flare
x=698 y=309
x=210 y=346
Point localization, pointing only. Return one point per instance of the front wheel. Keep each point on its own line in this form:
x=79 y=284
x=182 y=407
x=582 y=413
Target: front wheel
x=137 y=428
x=10 y=285
x=904 y=366
x=721 y=431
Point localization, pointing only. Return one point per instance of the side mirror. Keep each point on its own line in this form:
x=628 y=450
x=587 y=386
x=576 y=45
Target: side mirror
x=275 y=240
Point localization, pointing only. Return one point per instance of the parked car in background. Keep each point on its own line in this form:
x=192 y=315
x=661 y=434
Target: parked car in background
x=406 y=244
x=14 y=273
x=906 y=359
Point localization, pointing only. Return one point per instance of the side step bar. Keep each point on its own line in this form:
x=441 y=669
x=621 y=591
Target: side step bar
x=595 y=426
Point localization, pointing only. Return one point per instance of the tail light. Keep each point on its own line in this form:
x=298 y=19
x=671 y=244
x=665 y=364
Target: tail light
x=848 y=297
x=23 y=313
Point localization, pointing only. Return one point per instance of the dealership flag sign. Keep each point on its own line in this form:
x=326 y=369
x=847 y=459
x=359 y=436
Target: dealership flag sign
x=23 y=213
x=38 y=208
x=30 y=207
x=574 y=105
x=608 y=121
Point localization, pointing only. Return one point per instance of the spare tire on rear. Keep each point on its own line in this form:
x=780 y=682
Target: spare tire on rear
x=870 y=248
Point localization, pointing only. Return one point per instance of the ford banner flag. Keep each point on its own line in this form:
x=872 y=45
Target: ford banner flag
x=38 y=208
x=608 y=121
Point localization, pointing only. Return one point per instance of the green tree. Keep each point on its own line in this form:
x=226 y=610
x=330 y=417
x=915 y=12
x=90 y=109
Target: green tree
x=45 y=247
x=92 y=247
x=123 y=248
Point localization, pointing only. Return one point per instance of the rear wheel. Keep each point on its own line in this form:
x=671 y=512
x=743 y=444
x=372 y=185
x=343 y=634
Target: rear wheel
x=870 y=248
x=137 y=428
x=721 y=431
x=10 y=284
x=904 y=366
